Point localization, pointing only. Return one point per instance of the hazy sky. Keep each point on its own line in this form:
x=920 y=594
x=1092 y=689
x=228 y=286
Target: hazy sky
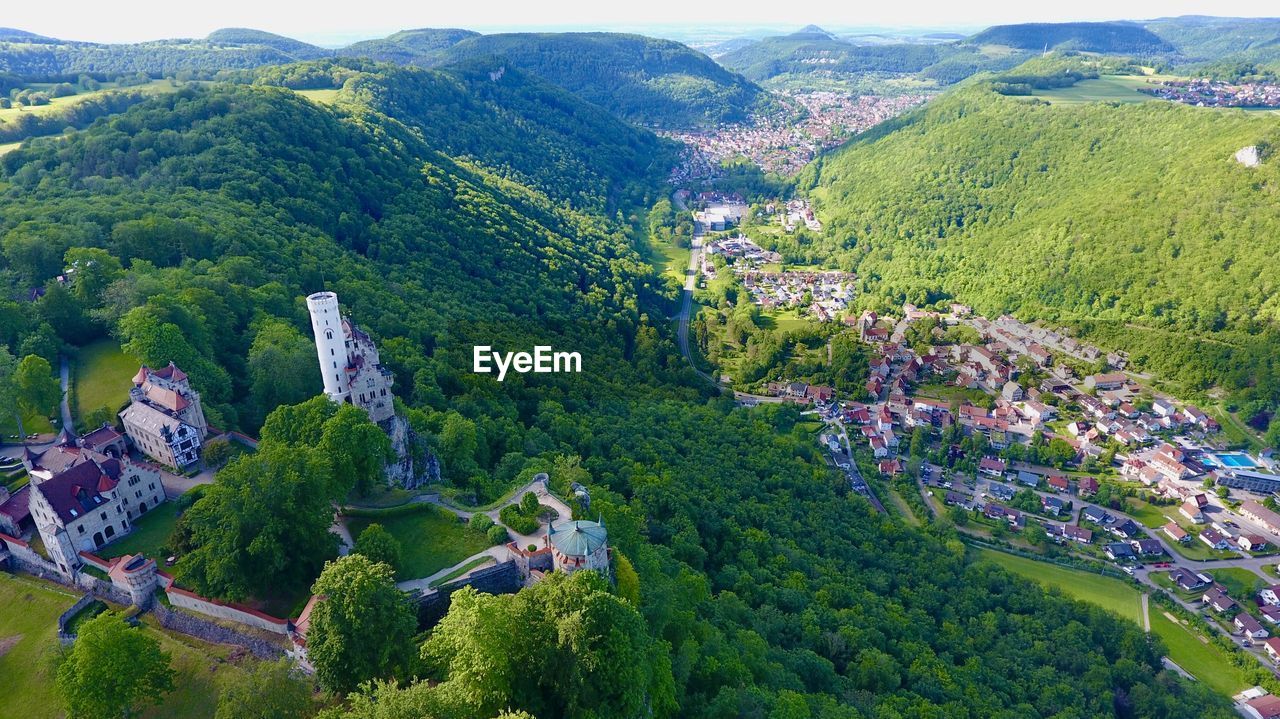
x=331 y=21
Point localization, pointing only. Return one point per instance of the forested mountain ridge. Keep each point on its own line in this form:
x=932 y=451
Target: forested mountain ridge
x=1112 y=216
x=642 y=79
x=40 y=58
x=821 y=54
x=1116 y=38
x=503 y=118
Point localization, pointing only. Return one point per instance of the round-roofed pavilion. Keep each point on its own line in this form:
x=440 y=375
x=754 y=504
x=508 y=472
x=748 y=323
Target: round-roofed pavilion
x=579 y=544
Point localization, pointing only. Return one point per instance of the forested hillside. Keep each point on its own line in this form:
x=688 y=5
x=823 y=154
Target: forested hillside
x=503 y=118
x=1117 y=38
x=820 y=54
x=643 y=79
x=1132 y=220
x=36 y=57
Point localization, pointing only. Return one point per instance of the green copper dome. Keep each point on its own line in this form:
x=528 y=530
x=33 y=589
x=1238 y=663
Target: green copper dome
x=578 y=538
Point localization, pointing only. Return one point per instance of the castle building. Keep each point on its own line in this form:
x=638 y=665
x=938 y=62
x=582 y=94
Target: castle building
x=579 y=544
x=164 y=419
x=349 y=360
x=81 y=499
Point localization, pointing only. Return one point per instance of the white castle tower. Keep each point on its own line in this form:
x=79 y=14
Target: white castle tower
x=331 y=344
x=349 y=360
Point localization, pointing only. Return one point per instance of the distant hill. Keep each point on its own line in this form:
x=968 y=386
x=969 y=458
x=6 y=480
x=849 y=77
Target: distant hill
x=1198 y=38
x=8 y=34
x=812 y=31
x=1104 y=37
x=516 y=124
x=37 y=58
x=646 y=80
x=244 y=37
x=423 y=46
x=809 y=53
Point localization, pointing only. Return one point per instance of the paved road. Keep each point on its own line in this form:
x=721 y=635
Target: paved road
x=64 y=376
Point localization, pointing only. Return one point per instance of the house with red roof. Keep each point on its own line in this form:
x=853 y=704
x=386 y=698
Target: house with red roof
x=88 y=502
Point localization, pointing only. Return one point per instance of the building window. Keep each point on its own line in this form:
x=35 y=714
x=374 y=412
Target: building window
x=104 y=516
x=80 y=529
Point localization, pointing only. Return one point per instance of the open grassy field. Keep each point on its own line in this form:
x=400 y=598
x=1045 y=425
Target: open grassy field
x=28 y=640
x=1190 y=650
x=670 y=260
x=31 y=423
x=323 y=97
x=1240 y=583
x=430 y=539
x=58 y=104
x=150 y=533
x=200 y=667
x=8 y=147
x=1108 y=88
x=1107 y=592
x=103 y=377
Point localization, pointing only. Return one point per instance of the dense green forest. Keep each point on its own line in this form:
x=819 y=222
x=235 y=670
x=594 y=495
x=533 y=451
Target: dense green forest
x=1113 y=38
x=1212 y=43
x=642 y=79
x=1134 y=218
x=37 y=57
x=774 y=592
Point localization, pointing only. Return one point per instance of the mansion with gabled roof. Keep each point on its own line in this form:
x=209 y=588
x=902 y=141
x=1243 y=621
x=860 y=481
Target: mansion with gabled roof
x=86 y=492
x=164 y=419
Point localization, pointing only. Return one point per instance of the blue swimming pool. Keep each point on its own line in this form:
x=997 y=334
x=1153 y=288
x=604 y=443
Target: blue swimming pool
x=1234 y=460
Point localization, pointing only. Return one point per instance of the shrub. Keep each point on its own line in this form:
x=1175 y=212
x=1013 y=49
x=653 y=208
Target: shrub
x=481 y=522
x=497 y=534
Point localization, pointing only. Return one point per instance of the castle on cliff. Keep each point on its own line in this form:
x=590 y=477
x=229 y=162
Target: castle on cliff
x=353 y=373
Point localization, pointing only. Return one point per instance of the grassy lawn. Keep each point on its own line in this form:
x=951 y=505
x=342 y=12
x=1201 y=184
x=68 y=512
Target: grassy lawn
x=1235 y=431
x=1195 y=549
x=7 y=147
x=199 y=667
x=28 y=635
x=1240 y=583
x=103 y=376
x=1190 y=650
x=948 y=393
x=1107 y=592
x=149 y=536
x=430 y=539
x=31 y=423
x=1152 y=515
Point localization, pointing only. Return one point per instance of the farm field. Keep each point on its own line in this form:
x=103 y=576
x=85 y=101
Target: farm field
x=430 y=538
x=1108 y=88
x=103 y=376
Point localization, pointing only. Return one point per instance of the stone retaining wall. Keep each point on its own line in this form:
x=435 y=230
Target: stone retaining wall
x=501 y=578
x=208 y=631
